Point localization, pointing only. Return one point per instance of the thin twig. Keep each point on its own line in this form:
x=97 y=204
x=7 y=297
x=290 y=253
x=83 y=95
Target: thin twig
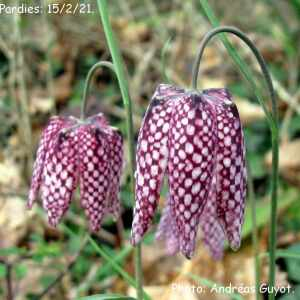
x=123 y=84
x=285 y=96
x=64 y=272
x=49 y=74
x=8 y=279
x=272 y=118
x=255 y=242
x=10 y=295
x=287 y=119
x=25 y=126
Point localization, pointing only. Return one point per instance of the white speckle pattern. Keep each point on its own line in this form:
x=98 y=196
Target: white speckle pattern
x=156 y=158
x=167 y=229
x=213 y=234
x=203 y=154
x=91 y=152
x=191 y=153
x=50 y=132
x=231 y=166
x=57 y=187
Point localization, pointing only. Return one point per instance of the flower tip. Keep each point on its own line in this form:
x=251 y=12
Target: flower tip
x=188 y=256
x=235 y=247
x=29 y=205
x=235 y=243
x=135 y=239
x=52 y=222
x=188 y=252
x=94 y=228
x=31 y=199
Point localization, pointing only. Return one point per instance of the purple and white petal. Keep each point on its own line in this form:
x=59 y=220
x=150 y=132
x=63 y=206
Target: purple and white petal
x=151 y=158
x=116 y=159
x=190 y=164
x=95 y=173
x=59 y=175
x=231 y=166
x=51 y=130
x=167 y=229
x=213 y=233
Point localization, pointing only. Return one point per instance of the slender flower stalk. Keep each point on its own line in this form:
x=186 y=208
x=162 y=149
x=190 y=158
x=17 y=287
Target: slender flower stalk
x=272 y=118
x=119 y=68
x=255 y=242
x=89 y=77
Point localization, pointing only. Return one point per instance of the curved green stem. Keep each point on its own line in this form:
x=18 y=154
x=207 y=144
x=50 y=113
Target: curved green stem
x=88 y=80
x=255 y=242
x=119 y=67
x=164 y=60
x=272 y=118
x=255 y=51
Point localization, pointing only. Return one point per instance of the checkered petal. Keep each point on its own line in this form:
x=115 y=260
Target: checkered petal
x=191 y=164
x=95 y=173
x=213 y=234
x=151 y=158
x=54 y=125
x=167 y=229
x=116 y=159
x=231 y=167
x=59 y=175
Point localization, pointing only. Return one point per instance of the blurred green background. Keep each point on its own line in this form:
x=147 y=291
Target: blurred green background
x=44 y=59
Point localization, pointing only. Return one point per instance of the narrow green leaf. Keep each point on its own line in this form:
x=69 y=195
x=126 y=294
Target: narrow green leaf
x=283 y=254
x=109 y=259
x=106 y=297
x=242 y=66
x=263 y=209
x=163 y=60
x=115 y=265
x=214 y=286
x=293 y=266
x=106 y=269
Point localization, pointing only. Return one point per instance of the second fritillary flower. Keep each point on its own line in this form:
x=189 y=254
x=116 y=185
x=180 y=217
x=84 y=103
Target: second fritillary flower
x=73 y=152
x=197 y=140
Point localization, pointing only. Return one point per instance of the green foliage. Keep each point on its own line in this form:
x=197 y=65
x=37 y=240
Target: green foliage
x=44 y=249
x=263 y=210
x=294 y=126
x=296 y=5
x=242 y=65
x=20 y=270
x=2 y=271
x=292 y=222
x=211 y=284
x=46 y=280
x=12 y=251
x=295 y=295
x=293 y=266
x=106 y=297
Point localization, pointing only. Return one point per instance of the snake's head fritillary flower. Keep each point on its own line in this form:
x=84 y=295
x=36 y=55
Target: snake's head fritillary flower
x=196 y=139
x=86 y=153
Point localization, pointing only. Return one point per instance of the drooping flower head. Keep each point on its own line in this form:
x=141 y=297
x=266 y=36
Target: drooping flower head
x=72 y=152
x=197 y=140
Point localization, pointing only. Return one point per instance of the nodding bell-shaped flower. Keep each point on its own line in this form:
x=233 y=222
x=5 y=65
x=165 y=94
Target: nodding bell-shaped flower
x=72 y=152
x=197 y=140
